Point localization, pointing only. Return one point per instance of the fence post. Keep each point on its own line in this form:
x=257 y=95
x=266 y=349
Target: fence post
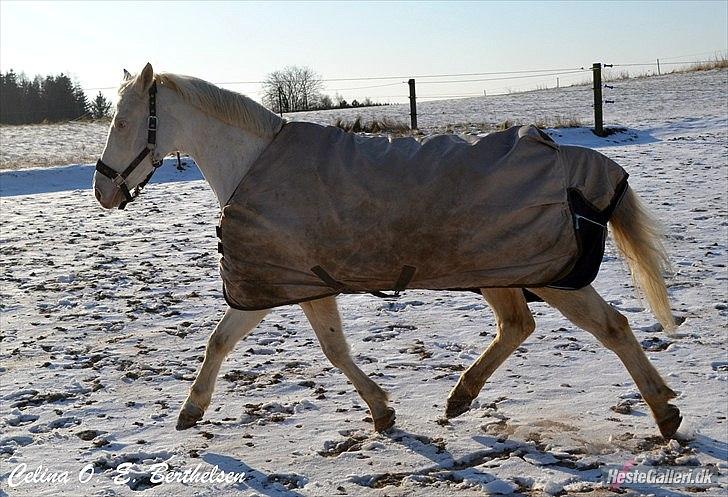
x=413 y=104
x=658 y=68
x=598 y=115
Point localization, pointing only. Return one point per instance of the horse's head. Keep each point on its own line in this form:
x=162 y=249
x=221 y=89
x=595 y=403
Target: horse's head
x=130 y=156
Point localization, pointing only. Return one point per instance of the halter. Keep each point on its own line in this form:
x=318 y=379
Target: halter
x=119 y=179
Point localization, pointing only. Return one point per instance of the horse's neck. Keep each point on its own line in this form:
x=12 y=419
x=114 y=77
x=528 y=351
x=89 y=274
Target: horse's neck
x=224 y=153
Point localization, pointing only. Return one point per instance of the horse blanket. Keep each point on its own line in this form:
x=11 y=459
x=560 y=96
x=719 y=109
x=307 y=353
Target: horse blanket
x=323 y=212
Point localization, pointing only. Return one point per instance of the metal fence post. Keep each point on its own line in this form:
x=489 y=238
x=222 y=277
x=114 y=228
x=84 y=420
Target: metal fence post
x=598 y=113
x=413 y=104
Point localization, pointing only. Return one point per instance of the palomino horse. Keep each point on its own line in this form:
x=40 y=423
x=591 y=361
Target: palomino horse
x=225 y=132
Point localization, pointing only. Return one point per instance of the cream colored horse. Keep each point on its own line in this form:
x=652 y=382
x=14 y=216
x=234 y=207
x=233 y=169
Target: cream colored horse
x=225 y=132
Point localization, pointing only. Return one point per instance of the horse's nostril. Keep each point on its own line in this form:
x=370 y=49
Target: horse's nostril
x=97 y=194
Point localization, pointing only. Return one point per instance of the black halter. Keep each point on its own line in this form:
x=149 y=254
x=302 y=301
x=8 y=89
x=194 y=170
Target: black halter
x=119 y=178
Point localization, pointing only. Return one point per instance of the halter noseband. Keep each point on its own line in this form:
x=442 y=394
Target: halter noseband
x=119 y=179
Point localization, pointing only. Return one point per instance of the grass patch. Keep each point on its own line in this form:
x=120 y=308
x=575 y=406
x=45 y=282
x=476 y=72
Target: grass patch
x=545 y=122
x=559 y=122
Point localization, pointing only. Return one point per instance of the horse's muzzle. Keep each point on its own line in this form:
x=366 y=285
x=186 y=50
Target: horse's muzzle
x=108 y=201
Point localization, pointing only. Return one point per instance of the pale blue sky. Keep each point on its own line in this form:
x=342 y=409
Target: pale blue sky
x=243 y=41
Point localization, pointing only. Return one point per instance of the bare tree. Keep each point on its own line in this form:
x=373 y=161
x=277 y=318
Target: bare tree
x=291 y=89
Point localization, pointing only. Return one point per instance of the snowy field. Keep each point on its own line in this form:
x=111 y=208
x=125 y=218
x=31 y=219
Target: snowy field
x=105 y=316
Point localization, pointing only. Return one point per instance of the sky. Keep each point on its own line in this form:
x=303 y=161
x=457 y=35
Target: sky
x=243 y=41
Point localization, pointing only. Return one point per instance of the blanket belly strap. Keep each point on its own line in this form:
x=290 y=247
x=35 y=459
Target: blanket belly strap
x=335 y=285
x=405 y=276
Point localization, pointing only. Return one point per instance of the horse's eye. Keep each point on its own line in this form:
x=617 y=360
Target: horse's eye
x=121 y=124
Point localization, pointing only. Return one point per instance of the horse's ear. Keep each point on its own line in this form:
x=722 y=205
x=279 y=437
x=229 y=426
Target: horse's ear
x=145 y=79
x=127 y=75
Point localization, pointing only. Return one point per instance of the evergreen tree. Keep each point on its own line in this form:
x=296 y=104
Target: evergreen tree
x=10 y=99
x=49 y=98
x=100 y=106
x=82 y=105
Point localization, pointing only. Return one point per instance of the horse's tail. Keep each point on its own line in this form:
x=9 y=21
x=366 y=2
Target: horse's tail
x=638 y=237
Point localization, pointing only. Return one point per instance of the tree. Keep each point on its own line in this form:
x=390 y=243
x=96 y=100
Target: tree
x=51 y=98
x=325 y=102
x=100 y=106
x=292 y=89
x=339 y=100
x=80 y=99
x=10 y=98
x=33 y=100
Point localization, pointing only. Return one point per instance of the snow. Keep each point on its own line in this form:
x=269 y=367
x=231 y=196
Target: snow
x=33 y=145
x=105 y=316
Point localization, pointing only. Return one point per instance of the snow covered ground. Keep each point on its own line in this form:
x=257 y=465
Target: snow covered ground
x=44 y=145
x=105 y=316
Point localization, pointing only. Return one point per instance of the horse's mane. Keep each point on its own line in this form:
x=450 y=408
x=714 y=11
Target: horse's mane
x=228 y=106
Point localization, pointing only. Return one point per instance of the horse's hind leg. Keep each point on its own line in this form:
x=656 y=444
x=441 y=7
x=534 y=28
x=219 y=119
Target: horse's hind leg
x=232 y=327
x=326 y=323
x=515 y=324
x=586 y=309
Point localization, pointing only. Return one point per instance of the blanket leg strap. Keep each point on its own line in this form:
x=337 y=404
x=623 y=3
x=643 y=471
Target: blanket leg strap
x=405 y=276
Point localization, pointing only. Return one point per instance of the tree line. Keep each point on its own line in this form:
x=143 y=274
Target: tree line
x=46 y=99
x=58 y=98
x=295 y=88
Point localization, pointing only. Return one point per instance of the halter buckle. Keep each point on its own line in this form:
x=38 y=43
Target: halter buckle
x=152 y=123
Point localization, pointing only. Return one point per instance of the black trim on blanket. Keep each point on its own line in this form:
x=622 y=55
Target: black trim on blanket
x=590 y=228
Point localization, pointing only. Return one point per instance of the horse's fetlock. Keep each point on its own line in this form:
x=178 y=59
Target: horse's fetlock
x=667 y=393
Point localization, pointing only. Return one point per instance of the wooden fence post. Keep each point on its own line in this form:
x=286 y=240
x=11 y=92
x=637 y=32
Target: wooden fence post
x=413 y=104
x=598 y=114
x=658 y=68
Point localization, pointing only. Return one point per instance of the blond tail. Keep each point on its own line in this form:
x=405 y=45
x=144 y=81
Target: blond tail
x=638 y=237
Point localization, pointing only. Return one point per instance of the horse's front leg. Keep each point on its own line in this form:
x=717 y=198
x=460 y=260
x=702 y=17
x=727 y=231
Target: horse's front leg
x=326 y=323
x=232 y=327
x=515 y=324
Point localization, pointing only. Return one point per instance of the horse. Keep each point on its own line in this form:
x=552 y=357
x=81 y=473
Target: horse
x=225 y=132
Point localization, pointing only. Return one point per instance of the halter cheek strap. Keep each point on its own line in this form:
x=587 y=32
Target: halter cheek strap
x=119 y=178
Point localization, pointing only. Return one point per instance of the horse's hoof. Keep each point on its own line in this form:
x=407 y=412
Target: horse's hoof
x=456 y=407
x=189 y=416
x=670 y=422
x=383 y=423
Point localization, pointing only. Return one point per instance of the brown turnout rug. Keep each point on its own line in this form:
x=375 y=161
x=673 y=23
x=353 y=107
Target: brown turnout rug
x=323 y=212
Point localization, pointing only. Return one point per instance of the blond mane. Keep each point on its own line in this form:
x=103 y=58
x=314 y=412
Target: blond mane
x=228 y=106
